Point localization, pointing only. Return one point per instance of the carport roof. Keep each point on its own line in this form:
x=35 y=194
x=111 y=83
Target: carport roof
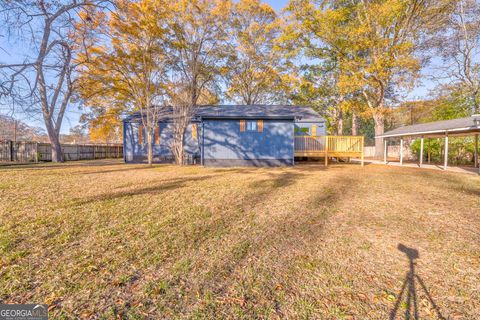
x=461 y=126
x=299 y=113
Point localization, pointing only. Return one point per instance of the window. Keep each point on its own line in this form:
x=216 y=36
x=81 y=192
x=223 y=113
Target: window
x=314 y=130
x=302 y=130
x=251 y=125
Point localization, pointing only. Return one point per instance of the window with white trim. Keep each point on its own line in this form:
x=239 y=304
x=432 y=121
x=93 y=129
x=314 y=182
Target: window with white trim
x=252 y=125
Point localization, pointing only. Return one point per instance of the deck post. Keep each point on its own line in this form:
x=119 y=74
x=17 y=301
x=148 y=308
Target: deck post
x=477 y=163
x=401 y=151
x=445 y=161
x=363 y=151
x=421 y=152
x=385 y=150
x=326 y=151
x=428 y=153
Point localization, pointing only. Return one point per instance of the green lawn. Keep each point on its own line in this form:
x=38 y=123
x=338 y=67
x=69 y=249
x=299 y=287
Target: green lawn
x=104 y=239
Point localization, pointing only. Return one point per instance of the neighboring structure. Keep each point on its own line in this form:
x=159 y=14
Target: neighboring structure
x=238 y=135
x=469 y=126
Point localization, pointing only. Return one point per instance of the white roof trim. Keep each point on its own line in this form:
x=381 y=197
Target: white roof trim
x=428 y=132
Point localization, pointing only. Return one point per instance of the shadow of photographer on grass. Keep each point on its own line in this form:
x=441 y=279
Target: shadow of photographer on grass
x=409 y=286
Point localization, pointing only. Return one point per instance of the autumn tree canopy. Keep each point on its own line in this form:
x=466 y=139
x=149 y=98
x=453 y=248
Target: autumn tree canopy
x=256 y=68
x=373 y=45
x=128 y=71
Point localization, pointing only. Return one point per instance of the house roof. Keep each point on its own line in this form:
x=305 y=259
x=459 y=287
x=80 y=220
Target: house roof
x=461 y=126
x=299 y=113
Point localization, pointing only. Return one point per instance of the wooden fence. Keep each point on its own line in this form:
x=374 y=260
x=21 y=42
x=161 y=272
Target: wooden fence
x=393 y=152
x=329 y=146
x=27 y=151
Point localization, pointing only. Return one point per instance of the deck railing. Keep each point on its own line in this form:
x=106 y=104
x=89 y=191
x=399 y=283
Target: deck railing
x=329 y=146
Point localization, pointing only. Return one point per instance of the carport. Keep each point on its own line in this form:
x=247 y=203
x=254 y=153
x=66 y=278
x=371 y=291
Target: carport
x=462 y=127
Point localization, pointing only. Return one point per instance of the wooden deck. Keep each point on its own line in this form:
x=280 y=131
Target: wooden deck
x=329 y=146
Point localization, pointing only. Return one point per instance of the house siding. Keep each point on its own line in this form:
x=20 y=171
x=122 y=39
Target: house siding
x=224 y=143
x=135 y=152
x=220 y=141
x=321 y=128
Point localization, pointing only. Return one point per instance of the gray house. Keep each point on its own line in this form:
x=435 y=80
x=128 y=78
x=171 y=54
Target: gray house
x=233 y=135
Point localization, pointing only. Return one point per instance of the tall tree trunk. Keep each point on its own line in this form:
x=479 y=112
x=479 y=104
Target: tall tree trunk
x=181 y=153
x=181 y=122
x=57 y=154
x=340 y=124
x=338 y=121
x=476 y=103
x=354 y=124
x=149 y=146
x=379 y=120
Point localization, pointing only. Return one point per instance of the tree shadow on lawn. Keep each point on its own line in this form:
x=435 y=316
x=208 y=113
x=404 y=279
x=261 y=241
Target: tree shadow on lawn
x=156 y=189
x=461 y=182
x=274 y=181
x=64 y=165
x=298 y=167
x=239 y=170
x=123 y=169
x=289 y=235
x=409 y=286
x=277 y=180
x=280 y=241
x=200 y=233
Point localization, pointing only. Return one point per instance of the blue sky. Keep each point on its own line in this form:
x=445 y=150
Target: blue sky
x=15 y=52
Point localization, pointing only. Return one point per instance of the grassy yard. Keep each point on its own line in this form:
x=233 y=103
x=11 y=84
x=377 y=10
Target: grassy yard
x=105 y=240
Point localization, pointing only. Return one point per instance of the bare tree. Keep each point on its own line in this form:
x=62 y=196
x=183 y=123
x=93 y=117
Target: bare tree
x=43 y=81
x=197 y=49
x=182 y=113
x=16 y=130
x=150 y=96
x=458 y=44
x=256 y=70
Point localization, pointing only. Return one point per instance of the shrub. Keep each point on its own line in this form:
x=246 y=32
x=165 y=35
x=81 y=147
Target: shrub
x=460 y=150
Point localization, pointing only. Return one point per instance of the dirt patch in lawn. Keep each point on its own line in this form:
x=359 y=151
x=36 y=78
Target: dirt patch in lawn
x=106 y=239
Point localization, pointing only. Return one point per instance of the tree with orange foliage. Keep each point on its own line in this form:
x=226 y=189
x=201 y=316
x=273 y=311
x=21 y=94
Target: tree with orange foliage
x=157 y=53
x=372 y=43
x=127 y=71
